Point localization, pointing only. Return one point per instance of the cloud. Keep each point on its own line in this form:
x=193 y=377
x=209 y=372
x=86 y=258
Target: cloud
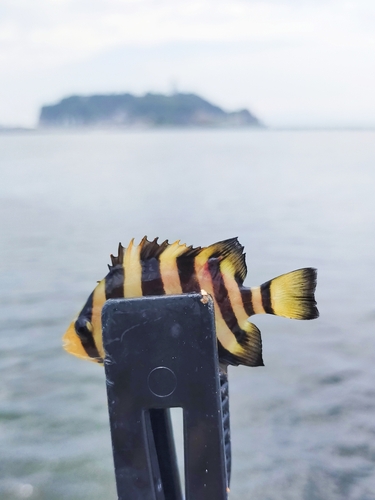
x=284 y=58
x=48 y=32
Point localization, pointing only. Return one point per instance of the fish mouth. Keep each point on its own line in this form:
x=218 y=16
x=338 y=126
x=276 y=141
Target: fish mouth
x=73 y=345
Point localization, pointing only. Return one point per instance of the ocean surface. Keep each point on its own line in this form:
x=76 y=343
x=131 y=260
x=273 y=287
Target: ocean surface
x=303 y=426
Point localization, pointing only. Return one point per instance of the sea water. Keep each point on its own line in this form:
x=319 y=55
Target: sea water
x=303 y=426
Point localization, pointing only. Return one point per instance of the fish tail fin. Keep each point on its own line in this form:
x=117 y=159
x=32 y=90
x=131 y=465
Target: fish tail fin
x=291 y=295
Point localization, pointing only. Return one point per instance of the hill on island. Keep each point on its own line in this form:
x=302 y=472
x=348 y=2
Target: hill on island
x=150 y=110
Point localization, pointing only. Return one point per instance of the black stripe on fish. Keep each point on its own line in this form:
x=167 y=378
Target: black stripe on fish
x=247 y=301
x=114 y=283
x=223 y=300
x=84 y=333
x=265 y=291
x=186 y=270
x=152 y=284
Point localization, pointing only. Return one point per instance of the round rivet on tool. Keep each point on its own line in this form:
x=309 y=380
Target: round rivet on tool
x=162 y=381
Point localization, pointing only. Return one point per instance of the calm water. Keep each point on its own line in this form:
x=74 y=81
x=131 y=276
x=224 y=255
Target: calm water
x=303 y=427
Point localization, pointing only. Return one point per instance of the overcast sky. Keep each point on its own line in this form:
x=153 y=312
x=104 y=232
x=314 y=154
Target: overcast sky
x=291 y=62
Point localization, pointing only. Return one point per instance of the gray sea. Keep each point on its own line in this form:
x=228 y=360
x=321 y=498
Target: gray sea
x=303 y=426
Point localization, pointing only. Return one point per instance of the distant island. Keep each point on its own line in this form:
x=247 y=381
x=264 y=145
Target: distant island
x=150 y=110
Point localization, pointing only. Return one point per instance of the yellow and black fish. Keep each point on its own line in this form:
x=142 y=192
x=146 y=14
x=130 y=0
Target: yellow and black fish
x=151 y=268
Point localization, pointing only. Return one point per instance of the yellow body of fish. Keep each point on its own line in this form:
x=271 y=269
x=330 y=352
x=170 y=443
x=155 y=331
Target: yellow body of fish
x=220 y=269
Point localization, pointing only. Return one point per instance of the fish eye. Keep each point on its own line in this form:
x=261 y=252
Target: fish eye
x=82 y=329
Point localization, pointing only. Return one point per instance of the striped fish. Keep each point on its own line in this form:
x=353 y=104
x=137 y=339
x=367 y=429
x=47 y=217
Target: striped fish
x=220 y=269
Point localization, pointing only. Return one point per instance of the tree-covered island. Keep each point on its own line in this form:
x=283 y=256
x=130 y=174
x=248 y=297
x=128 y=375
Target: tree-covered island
x=150 y=110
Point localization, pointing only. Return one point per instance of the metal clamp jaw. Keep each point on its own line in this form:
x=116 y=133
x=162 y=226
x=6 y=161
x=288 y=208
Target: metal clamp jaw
x=161 y=352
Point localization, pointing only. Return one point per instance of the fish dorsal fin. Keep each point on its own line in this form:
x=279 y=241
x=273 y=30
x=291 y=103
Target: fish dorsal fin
x=150 y=249
x=153 y=249
x=191 y=251
x=231 y=250
x=117 y=261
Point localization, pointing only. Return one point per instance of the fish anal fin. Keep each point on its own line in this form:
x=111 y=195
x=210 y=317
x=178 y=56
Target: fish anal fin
x=248 y=351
